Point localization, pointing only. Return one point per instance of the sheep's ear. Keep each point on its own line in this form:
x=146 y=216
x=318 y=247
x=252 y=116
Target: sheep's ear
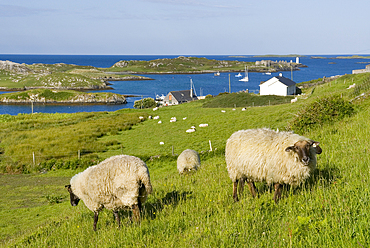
x=68 y=187
x=315 y=144
x=290 y=148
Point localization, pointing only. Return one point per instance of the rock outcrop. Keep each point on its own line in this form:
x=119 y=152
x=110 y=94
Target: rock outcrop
x=14 y=67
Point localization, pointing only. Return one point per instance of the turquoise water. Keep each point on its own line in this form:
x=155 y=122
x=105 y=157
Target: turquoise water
x=204 y=83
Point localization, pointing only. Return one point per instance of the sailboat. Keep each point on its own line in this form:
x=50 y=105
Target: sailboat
x=245 y=78
x=238 y=75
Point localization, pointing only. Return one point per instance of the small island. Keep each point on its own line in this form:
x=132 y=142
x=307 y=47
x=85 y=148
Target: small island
x=48 y=96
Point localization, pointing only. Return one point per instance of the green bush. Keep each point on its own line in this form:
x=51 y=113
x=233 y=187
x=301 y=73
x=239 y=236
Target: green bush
x=324 y=111
x=145 y=103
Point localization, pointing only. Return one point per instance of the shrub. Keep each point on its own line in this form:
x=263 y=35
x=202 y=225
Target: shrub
x=145 y=103
x=324 y=111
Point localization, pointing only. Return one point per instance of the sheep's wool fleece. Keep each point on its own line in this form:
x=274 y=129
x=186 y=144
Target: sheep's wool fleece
x=188 y=160
x=113 y=184
x=259 y=155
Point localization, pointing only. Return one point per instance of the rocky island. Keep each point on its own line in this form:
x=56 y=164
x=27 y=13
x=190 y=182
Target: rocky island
x=47 y=96
x=191 y=65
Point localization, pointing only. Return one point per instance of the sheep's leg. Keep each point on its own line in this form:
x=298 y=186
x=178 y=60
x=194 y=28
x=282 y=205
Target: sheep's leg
x=235 y=191
x=96 y=214
x=252 y=189
x=277 y=194
x=241 y=186
x=116 y=214
x=136 y=212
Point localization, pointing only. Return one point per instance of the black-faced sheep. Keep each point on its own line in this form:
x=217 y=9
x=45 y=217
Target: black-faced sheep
x=188 y=160
x=116 y=183
x=257 y=155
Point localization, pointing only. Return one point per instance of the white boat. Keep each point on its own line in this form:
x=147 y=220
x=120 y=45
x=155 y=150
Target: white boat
x=239 y=75
x=217 y=73
x=245 y=78
x=268 y=73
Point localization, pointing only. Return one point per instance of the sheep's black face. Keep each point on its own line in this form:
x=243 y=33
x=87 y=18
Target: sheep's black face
x=73 y=198
x=302 y=148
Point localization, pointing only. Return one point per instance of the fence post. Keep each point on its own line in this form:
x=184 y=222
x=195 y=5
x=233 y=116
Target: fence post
x=33 y=158
x=79 y=154
x=173 y=152
x=210 y=145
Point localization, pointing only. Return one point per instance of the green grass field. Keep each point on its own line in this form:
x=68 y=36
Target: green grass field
x=194 y=210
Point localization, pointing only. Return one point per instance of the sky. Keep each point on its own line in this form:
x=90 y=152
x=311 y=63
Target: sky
x=184 y=27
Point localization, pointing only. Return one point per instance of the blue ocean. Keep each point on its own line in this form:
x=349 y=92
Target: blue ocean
x=162 y=84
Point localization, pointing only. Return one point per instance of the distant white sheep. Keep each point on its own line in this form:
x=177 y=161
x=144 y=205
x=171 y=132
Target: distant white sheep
x=223 y=111
x=156 y=108
x=351 y=86
x=203 y=125
x=173 y=119
x=156 y=117
x=159 y=122
x=294 y=100
x=191 y=130
x=116 y=183
x=257 y=155
x=244 y=109
x=188 y=160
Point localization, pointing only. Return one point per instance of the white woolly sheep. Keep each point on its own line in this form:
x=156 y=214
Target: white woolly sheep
x=188 y=160
x=116 y=183
x=257 y=155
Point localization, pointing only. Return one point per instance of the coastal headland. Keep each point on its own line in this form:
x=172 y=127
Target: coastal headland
x=62 y=77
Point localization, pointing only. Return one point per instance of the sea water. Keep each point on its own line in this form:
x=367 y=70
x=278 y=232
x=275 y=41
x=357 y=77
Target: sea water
x=162 y=84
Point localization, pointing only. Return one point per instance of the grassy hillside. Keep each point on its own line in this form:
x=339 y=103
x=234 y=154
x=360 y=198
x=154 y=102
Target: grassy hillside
x=195 y=210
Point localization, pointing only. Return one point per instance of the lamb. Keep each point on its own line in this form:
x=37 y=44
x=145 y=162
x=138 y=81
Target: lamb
x=257 y=155
x=116 y=183
x=188 y=160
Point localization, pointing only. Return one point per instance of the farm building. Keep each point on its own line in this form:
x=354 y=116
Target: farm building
x=178 y=97
x=279 y=85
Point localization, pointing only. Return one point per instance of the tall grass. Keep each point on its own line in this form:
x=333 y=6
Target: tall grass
x=197 y=210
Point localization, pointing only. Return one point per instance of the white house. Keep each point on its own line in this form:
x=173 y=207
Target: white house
x=279 y=85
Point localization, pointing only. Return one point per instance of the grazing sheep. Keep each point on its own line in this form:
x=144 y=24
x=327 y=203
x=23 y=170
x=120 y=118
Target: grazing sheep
x=257 y=155
x=116 y=183
x=188 y=160
x=203 y=125
x=191 y=130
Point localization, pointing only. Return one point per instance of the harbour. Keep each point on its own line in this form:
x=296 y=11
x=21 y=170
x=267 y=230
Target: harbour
x=204 y=84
